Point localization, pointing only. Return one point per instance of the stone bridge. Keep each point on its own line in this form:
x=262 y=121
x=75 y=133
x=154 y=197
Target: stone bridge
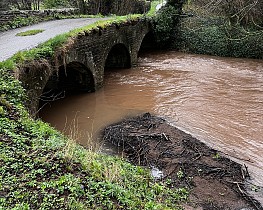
x=80 y=63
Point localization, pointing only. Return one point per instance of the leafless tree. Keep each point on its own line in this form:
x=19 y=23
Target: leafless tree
x=238 y=11
x=20 y=4
x=4 y=5
x=36 y=4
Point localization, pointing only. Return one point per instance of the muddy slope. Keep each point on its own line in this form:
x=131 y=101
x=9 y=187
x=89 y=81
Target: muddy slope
x=215 y=182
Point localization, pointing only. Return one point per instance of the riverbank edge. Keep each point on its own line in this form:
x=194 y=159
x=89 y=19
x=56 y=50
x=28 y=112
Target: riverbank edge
x=179 y=159
x=43 y=169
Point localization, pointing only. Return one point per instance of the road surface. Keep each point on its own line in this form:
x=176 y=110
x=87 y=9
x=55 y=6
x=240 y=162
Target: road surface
x=11 y=44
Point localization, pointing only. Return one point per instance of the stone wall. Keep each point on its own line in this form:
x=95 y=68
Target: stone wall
x=86 y=55
x=92 y=49
x=7 y=17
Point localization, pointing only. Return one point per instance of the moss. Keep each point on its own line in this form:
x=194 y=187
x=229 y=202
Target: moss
x=30 y=32
x=48 y=48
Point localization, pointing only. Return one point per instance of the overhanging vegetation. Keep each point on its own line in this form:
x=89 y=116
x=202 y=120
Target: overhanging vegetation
x=224 y=29
x=30 y=32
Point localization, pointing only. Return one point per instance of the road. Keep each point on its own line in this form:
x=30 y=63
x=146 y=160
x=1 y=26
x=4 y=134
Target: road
x=11 y=44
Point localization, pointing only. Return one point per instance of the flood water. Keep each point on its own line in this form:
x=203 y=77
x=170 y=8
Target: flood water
x=218 y=100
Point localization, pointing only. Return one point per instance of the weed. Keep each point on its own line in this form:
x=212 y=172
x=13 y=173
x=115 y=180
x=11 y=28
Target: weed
x=255 y=188
x=30 y=32
x=180 y=174
x=216 y=156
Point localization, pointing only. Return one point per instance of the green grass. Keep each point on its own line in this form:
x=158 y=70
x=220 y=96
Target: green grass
x=47 y=49
x=43 y=169
x=30 y=32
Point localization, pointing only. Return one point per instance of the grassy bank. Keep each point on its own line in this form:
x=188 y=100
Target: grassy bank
x=207 y=32
x=43 y=169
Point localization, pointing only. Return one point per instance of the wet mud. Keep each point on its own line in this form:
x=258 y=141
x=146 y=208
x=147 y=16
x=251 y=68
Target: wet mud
x=214 y=181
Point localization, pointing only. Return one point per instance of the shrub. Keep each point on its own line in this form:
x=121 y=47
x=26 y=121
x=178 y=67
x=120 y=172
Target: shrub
x=166 y=21
x=208 y=33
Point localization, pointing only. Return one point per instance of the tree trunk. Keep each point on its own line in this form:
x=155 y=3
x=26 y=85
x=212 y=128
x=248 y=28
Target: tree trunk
x=26 y=5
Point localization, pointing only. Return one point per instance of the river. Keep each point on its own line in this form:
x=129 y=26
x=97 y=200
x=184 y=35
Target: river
x=217 y=100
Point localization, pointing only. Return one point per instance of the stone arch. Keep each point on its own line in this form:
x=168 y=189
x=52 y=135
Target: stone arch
x=118 y=57
x=73 y=76
x=148 y=42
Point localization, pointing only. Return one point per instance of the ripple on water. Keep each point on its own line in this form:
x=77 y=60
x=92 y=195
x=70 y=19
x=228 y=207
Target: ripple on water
x=218 y=100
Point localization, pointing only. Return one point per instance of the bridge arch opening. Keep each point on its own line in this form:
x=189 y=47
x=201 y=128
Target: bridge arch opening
x=118 y=57
x=71 y=78
x=148 y=43
x=75 y=77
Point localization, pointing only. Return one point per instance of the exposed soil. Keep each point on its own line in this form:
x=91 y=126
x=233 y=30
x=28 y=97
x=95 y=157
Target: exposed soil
x=214 y=181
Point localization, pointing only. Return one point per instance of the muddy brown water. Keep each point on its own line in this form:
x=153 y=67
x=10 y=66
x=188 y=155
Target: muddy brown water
x=217 y=100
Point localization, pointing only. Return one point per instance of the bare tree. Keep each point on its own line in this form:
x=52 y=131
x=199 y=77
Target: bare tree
x=4 y=5
x=18 y=4
x=241 y=12
x=36 y=4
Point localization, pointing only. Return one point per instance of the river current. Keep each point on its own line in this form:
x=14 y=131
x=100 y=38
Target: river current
x=217 y=100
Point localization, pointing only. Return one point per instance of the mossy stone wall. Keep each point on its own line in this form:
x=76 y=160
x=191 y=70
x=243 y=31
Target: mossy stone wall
x=90 y=49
